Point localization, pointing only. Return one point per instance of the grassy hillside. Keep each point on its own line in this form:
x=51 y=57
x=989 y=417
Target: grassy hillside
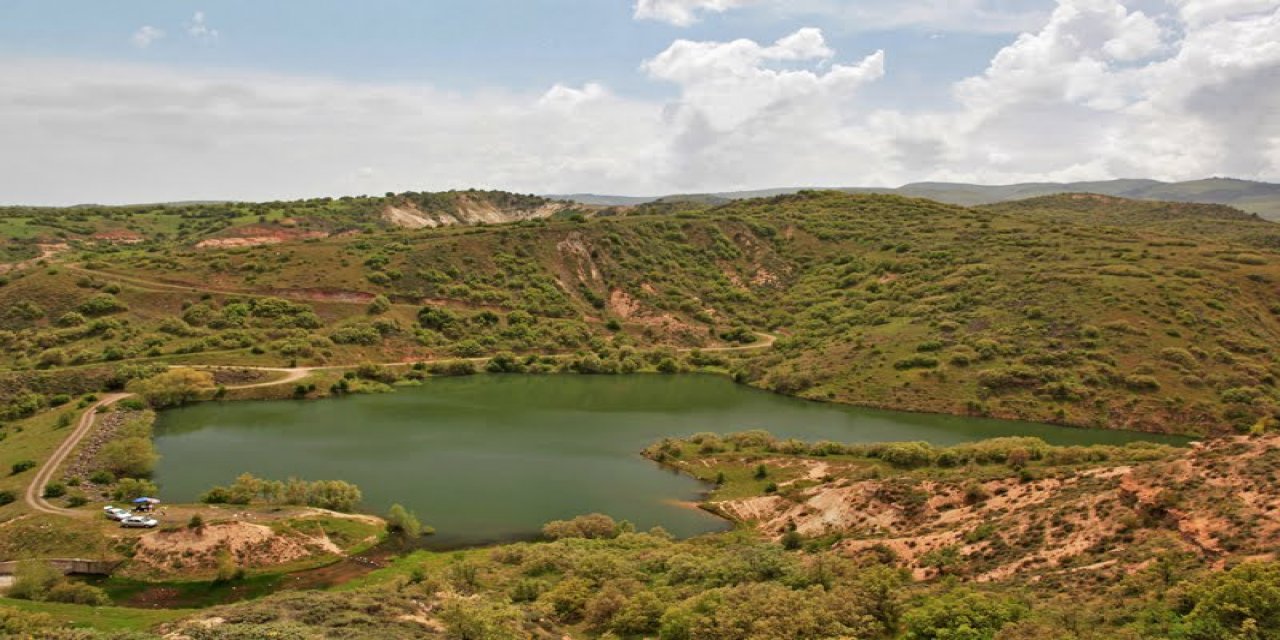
x=249 y=223
x=1258 y=198
x=1076 y=309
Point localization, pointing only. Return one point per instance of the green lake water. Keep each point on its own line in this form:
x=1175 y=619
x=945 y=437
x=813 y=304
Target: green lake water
x=490 y=458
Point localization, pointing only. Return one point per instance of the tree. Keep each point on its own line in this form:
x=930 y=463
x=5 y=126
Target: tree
x=129 y=457
x=228 y=570
x=595 y=525
x=403 y=522
x=1241 y=603
x=32 y=580
x=335 y=495
x=962 y=614
x=173 y=387
x=133 y=488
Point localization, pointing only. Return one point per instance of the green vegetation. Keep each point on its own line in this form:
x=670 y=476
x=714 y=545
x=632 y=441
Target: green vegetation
x=401 y=521
x=39 y=581
x=335 y=495
x=1061 y=309
x=1081 y=310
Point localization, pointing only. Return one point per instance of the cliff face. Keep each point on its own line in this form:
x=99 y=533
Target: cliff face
x=466 y=209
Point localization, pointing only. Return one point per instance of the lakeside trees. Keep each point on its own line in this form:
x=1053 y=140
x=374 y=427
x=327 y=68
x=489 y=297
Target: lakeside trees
x=173 y=387
x=335 y=495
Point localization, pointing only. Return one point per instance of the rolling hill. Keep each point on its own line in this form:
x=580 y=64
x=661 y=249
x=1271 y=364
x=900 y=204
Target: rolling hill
x=1076 y=309
x=1254 y=197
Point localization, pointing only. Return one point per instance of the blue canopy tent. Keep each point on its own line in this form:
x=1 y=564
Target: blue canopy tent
x=145 y=504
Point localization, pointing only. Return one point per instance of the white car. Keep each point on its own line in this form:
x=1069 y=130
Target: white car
x=115 y=513
x=139 y=522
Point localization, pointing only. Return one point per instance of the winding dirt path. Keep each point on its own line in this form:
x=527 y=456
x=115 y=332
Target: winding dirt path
x=35 y=491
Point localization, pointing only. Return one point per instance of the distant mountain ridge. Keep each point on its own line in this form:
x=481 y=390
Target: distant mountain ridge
x=1261 y=198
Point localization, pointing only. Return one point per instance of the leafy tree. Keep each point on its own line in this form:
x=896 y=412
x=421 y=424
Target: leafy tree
x=962 y=614
x=32 y=580
x=1243 y=604
x=403 y=522
x=133 y=488
x=173 y=387
x=595 y=525
x=129 y=457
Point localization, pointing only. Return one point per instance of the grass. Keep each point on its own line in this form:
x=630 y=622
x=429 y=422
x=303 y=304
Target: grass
x=35 y=439
x=100 y=618
x=189 y=595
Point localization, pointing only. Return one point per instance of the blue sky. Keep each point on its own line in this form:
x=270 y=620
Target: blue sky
x=525 y=45
x=177 y=99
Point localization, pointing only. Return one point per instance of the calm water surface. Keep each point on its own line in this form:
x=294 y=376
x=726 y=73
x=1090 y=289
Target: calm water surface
x=490 y=458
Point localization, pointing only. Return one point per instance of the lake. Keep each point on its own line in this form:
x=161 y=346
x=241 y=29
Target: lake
x=491 y=458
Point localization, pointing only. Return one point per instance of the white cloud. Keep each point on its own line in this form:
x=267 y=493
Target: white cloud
x=83 y=131
x=974 y=16
x=1183 y=89
x=145 y=35
x=199 y=29
x=565 y=97
x=683 y=13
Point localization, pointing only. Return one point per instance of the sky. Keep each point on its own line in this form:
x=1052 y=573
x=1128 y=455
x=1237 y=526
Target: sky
x=170 y=100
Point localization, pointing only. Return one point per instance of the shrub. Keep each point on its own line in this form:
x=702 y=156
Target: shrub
x=359 y=334
x=22 y=465
x=173 y=387
x=55 y=490
x=132 y=488
x=1139 y=382
x=32 y=580
x=129 y=457
x=7 y=497
x=916 y=362
x=403 y=522
x=379 y=306
x=100 y=305
x=595 y=525
x=962 y=614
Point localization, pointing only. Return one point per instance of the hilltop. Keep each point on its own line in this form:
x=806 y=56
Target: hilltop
x=1084 y=310
x=1254 y=197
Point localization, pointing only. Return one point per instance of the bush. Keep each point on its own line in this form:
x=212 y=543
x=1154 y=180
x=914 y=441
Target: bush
x=401 y=521
x=358 y=334
x=32 y=580
x=7 y=497
x=916 y=362
x=591 y=526
x=379 y=306
x=77 y=593
x=173 y=387
x=133 y=488
x=1241 y=603
x=22 y=465
x=1138 y=382
x=962 y=614
x=129 y=457
x=100 y=305
x=55 y=490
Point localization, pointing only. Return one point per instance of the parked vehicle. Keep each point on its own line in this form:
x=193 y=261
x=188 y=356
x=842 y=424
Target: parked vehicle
x=115 y=513
x=139 y=522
